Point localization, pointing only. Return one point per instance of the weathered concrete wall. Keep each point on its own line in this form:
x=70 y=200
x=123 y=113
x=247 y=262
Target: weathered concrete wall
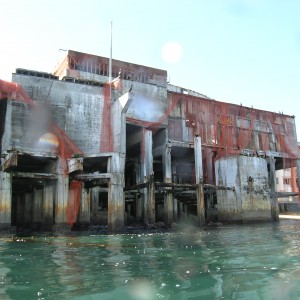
x=250 y=201
x=18 y=132
x=77 y=109
x=229 y=202
x=254 y=181
x=149 y=103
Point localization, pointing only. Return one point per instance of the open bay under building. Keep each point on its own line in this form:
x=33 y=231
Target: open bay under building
x=77 y=151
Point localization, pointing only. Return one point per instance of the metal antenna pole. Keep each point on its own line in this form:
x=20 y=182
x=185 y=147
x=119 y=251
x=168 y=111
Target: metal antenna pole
x=110 y=61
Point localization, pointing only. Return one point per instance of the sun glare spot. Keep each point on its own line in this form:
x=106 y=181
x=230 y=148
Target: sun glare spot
x=171 y=52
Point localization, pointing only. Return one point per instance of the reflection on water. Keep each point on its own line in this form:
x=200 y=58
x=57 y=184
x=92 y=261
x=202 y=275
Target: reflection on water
x=232 y=262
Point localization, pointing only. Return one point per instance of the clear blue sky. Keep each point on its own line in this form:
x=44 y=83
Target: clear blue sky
x=238 y=51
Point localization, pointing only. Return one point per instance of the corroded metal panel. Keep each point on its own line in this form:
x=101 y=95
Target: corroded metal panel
x=230 y=128
x=175 y=129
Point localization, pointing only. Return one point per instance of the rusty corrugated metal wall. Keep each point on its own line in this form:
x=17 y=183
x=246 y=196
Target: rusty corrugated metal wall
x=230 y=128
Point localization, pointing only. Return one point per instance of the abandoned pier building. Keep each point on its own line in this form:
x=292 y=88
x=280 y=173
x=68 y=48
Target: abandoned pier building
x=78 y=151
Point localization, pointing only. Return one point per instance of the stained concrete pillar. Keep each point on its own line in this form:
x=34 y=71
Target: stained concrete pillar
x=116 y=164
x=48 y=203
x=175 y=209
x=85 y=210
x=5 y=200
x=139 y=204
x=28 y=201
x=180 y=209
x=129 y=210
x=199 y=180
x=174 y=180
x=61 y=201
x=116 y=199
x=37 y=213
x=148 y=176
x=273 y=197
x=20 y=209
x=167 y=173
x=94 y=205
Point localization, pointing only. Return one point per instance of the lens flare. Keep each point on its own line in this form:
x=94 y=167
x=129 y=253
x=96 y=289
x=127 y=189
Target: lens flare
x=48 y=141
x=171 y=52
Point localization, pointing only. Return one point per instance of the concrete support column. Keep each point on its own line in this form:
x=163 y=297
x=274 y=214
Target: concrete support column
x=175 y=201
x=28 y=201
x=129 y=210
x=85 y=210
x=116 y=201
x=20 y=209
x=180 y=206
x=37 y=213
x=139 y=204
x=48 y=203
x=94 y=205
x=272 y=182
x=148 y=176
x=5 y=199
x=199 y=180
x=167 y=173
x=61 y=201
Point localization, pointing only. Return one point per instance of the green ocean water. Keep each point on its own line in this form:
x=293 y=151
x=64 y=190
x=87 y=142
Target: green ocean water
x=258 y=261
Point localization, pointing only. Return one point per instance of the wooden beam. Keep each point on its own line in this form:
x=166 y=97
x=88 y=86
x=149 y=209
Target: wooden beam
x=34 y=175
x=102 y=154
x=193 y=186
x=286 y=194
x=136 y=187
x=181 y=144
x=75 y=164
x=84 y=177
x=11 y=160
